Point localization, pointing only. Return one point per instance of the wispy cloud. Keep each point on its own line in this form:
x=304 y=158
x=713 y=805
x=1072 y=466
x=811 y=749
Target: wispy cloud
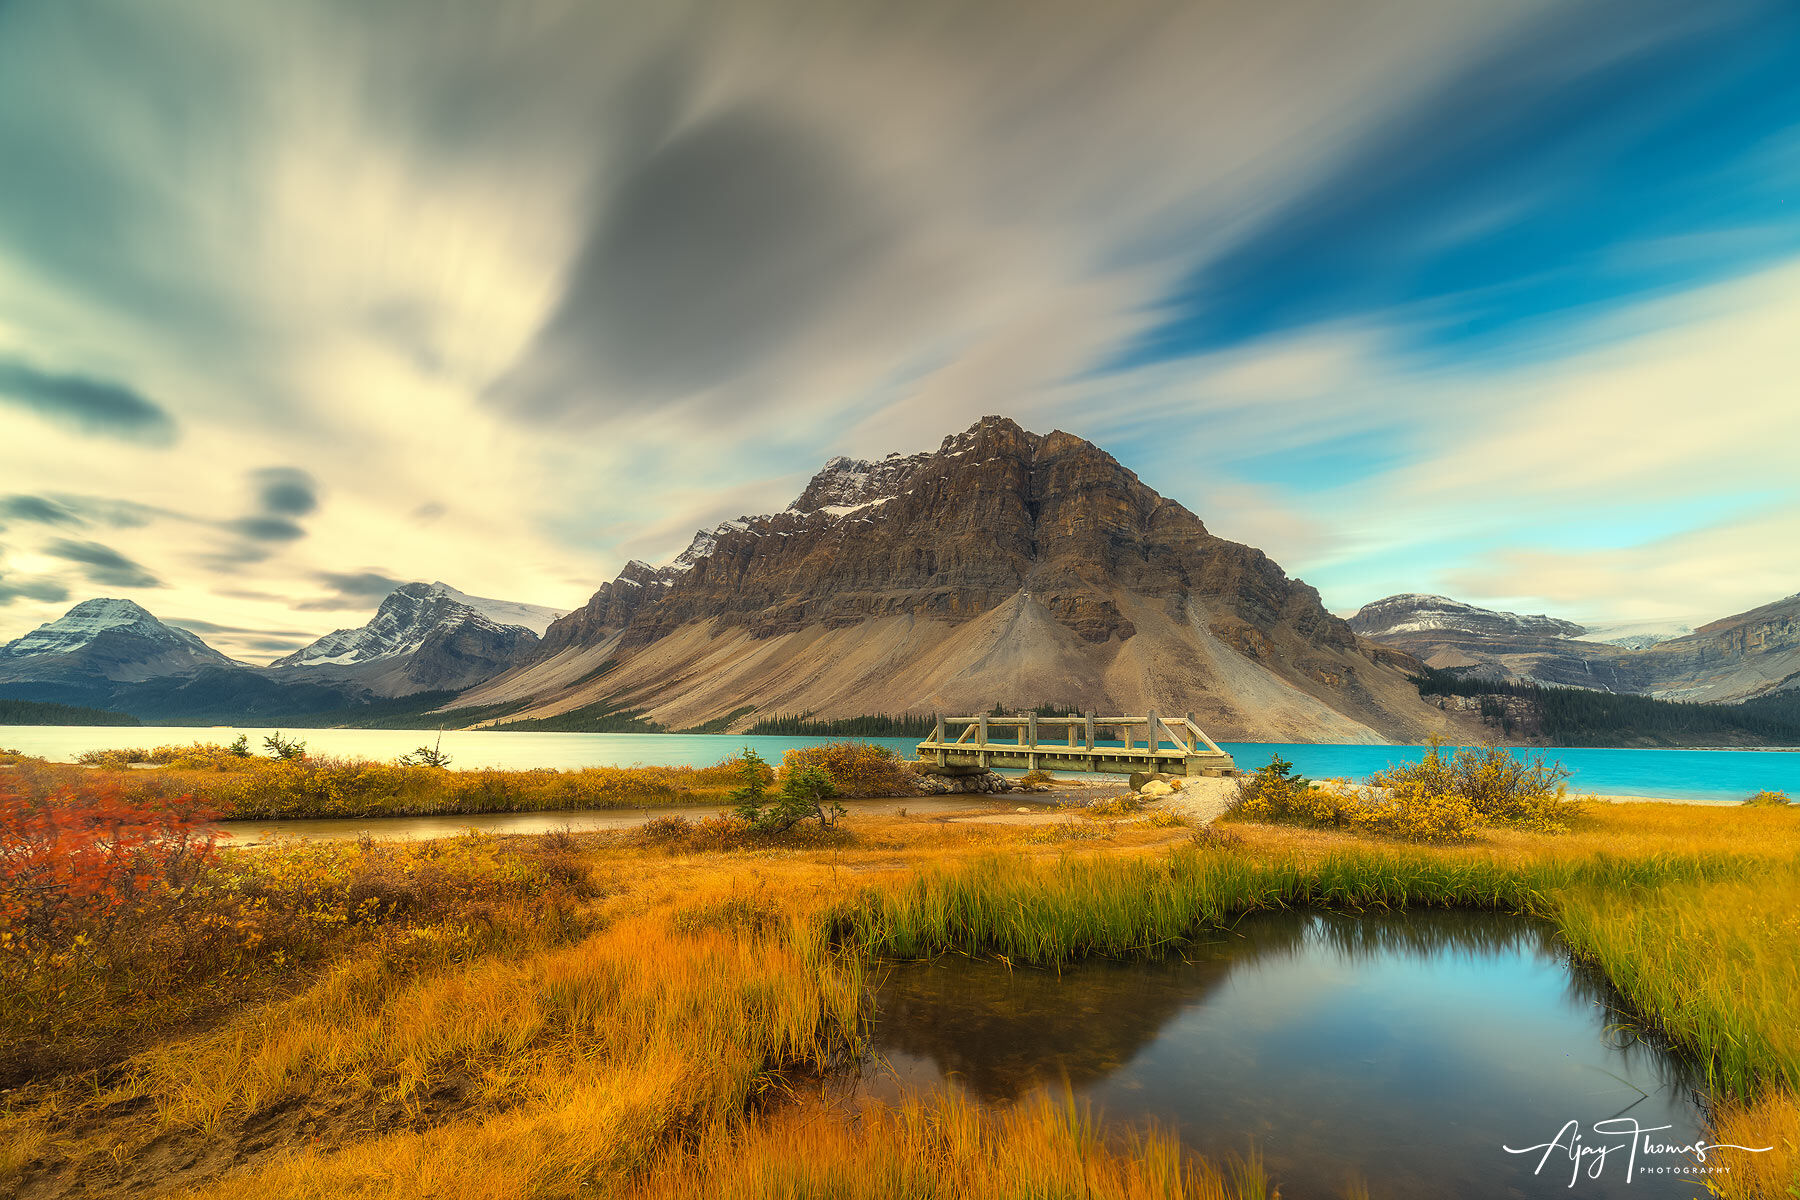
x=93 y=406
x=506 y=298
x=102 y=564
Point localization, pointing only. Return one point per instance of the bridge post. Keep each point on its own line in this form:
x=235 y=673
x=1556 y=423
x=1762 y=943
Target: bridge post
x=1089 y=722
x=1155 y=739
x=1031 y=758
x=937 y=735
x=981 y=730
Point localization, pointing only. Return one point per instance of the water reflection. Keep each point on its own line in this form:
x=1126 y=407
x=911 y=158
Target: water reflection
x=1401 y=1049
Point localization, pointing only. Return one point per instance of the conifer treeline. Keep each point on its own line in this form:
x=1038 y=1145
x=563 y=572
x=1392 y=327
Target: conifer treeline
x=1581 y=717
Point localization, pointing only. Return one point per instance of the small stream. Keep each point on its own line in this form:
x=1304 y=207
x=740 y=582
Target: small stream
x=1402 y=1050
x=416 y=828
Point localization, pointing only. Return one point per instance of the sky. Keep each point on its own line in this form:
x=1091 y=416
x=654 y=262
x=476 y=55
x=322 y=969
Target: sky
x=303 y=298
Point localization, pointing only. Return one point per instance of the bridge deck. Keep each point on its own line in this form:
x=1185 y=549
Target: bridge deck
x=1175 y=746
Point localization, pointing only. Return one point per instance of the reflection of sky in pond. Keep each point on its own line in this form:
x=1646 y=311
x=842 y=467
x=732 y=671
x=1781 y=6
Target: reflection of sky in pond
x=1399 y=1049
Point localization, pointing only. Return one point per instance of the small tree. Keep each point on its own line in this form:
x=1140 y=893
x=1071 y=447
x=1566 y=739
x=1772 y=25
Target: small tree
x=804 y=794
x=285 y=749
x=241 y=747
x=426 y=756
x=752 y=791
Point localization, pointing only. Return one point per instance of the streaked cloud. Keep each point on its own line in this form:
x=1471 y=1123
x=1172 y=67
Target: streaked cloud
x=102 y=564
x=92 y=406
x=1414 y=294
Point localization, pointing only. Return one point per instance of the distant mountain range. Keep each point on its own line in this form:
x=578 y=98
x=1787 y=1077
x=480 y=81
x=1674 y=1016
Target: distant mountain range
x=1742 y=657
x=1005 y=566
x=423 y=638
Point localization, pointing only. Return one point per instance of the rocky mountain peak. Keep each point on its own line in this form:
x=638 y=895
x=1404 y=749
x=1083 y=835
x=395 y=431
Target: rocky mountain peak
x=88 y=621
x=409 y=615
x=1417 y=612
x=106 y=638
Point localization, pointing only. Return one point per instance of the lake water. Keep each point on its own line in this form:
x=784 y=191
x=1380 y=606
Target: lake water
x=1402 y=1050
x=1674 y=774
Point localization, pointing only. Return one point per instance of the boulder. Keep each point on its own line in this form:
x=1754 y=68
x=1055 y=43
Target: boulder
x=945 y=785
x=1154 y=789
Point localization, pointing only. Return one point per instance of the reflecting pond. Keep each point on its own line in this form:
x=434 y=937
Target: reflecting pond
x=1402 y=1050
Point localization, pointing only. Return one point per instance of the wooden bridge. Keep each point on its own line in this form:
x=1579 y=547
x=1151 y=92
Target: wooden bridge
x=1174 y=746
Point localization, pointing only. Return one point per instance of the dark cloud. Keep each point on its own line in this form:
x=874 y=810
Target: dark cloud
x=267 y=529
x=37 y=509
x=707 y=257
x=92 y=406
x=196 y=625
x=103 y=564
x=428 y=512
x=351 y=590
x=228 y=559
x=13 y=588
x=286 y=491
x=120 y=514
x=275 y=643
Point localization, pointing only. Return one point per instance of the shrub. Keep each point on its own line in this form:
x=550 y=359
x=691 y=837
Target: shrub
x=1036 y=781
x=1441 y=798
x=1767 y=798
x=1500 y=786
x=857 y=768
x=1274 y=793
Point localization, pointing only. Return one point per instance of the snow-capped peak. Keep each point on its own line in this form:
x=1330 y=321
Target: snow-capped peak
x=534 y=617
x=90 y=620
x=1418 y=612
x=408 y=616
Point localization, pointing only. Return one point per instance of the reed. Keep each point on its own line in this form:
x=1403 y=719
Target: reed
x=1122 y=907
x=942 y=1145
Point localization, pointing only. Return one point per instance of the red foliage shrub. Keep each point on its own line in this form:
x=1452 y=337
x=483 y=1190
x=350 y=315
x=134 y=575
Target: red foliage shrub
x=73 y=862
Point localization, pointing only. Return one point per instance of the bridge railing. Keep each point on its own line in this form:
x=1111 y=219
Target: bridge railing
x=1084 y=731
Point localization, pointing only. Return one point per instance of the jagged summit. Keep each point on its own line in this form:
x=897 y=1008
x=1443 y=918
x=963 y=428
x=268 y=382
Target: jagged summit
x=1003 y=564
x=406 y=619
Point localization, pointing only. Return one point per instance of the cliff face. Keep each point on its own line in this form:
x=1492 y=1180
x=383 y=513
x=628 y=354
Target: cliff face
x=1005 y=566
x=1751 y=654
x=1737 y=658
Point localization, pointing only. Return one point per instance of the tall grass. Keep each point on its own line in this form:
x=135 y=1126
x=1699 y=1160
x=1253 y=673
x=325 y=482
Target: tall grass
x=943 y=1145
x=1122 y=907
x=265 y=789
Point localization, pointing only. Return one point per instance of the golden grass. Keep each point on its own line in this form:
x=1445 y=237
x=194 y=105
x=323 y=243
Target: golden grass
x=655 y=1057
x=941 y=1145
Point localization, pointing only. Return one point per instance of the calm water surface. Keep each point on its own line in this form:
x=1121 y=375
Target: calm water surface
x=1676 y=774
x=1404 y=1050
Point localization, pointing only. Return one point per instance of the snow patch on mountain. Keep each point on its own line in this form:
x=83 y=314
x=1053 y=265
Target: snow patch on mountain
x=409 y=616
x=534 y=617
x=81 y=625
x=1416 y=612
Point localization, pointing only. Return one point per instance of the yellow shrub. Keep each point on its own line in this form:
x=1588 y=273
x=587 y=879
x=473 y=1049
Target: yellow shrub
x=858 y=768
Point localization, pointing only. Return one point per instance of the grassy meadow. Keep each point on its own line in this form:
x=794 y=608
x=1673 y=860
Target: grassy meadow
x=658 y=1013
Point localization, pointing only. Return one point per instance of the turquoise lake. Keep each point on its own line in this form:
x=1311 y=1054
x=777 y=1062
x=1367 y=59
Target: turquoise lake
x=1721 y=775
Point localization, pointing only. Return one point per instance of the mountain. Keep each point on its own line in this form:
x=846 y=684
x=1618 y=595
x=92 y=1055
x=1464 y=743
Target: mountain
x=101 y=642
x=423 y=637
x=1005 y=566
x=1751 y=654
x=1416 y=613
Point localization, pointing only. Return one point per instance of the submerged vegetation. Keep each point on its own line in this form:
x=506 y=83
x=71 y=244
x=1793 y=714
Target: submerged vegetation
x=647 y=1013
